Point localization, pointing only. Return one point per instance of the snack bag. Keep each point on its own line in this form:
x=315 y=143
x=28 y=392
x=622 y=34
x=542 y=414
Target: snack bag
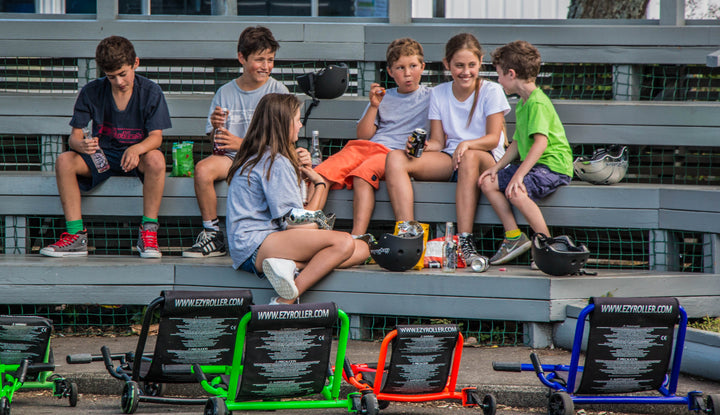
x=183 y=163
x=433 y=253
x=426 y=233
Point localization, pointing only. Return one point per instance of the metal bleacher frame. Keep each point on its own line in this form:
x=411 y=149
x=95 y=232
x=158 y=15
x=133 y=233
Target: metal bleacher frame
x=524 y=295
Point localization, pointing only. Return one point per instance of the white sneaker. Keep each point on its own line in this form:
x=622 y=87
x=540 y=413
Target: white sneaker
x=274 y=301
x=281 y=275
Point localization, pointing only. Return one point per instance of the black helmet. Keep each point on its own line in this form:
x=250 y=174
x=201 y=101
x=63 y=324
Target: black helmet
x=558 y=256
x=327 y=83
x=397 y=253
x=605 y=166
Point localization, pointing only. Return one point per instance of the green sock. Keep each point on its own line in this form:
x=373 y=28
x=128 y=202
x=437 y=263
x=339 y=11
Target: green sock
x=146 y=219
x=74 y=226
x=513 y=234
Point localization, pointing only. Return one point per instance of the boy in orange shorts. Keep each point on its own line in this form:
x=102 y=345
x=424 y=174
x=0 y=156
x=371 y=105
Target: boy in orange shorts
x=388 y=121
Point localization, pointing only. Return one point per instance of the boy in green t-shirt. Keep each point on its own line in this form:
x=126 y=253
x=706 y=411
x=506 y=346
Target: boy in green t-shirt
x=539 y=141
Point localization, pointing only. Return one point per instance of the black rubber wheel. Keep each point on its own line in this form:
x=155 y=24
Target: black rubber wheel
x=712 y=404
x=130 y=397
x=383 y=404
x=369 y=404
x=560 y=403
x=72 y=392
x=215 y=406
x=4 y=406
x=154 y=389
x=489 y=405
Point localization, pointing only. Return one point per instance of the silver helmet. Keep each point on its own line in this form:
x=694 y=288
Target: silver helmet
x=605 y=166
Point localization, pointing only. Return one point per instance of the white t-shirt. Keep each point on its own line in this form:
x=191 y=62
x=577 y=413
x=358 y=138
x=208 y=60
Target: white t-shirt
x=454 y=114
x=241 y=105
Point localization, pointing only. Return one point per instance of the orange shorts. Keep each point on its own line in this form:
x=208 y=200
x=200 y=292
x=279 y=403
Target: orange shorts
x=359 y=158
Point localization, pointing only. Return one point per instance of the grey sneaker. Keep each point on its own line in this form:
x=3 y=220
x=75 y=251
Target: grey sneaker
x=473 y=259
x=209 y=243
x=511 y=249
x=147 y=244
x=68 y=245
x=281 y=275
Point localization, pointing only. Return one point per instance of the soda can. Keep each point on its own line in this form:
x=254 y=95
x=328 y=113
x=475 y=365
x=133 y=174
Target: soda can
x=417 y=139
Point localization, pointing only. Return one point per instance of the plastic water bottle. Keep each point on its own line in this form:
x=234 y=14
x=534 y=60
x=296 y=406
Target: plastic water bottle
x=216 y=149
x=315 y=153
x=98 y=157
x=449 y=249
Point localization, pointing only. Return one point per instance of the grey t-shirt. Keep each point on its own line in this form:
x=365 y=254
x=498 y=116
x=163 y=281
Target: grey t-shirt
x=255 y=210
x=399 y=114
x=241 y=105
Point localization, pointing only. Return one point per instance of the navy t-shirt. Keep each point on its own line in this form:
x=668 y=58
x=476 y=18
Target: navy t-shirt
x=146 y=111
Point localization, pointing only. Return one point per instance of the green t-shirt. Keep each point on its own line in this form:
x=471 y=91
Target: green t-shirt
x=538 y=116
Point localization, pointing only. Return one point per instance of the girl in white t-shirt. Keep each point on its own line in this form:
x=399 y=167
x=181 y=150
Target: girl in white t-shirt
x=467 y=118
x=263 y=187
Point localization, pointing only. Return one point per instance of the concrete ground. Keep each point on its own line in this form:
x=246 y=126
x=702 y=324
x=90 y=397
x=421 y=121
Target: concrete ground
x=515 y=392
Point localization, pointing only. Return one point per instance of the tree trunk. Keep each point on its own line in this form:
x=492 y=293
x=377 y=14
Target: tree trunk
x=607 y=9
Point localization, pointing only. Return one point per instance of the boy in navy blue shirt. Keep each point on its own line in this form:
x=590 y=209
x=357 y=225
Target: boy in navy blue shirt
x=127 y=113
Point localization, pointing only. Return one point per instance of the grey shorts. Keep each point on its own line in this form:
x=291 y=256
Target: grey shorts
x=539 y=182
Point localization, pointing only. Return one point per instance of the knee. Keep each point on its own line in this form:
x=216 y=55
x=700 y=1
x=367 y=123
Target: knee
x=204 y=171
x=153 y=162
x=487 y=185
x=395 y=162
x=65 y=160
x=346 y=244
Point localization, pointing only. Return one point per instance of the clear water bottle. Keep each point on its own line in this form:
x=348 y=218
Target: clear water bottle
x=449 y=249
x=216 y=149
x=98 y=157
x=315 y=153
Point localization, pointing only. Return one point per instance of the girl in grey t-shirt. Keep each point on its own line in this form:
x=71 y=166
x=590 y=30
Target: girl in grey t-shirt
x=263 y=189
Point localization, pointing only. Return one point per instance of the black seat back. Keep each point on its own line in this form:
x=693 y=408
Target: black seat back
x=24 y=337
x=421 y=359
x=630 y=342
x=195 y=327
x=287 y=350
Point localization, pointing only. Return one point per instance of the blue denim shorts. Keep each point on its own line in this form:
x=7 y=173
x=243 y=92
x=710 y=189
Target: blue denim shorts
x=539 y=182
x=249 y=265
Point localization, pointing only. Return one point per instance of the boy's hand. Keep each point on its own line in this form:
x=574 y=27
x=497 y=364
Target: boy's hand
x=217 y=119
x=515 y=187
x=89 y=145
x=130 y=158
x=304 y=157
x=376 y=94
x=491 y=172
x=227 y=141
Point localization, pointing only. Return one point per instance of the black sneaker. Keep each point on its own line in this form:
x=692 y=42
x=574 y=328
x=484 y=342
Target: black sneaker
x=473 y=259
x=208 y=244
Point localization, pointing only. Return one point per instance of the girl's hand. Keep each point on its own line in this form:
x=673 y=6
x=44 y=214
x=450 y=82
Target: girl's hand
x=458 y=154
x=311 y=174
x=304 y=157
x=376 y=94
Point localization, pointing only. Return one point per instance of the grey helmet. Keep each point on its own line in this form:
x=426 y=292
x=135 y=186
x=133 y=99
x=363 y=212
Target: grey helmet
x=605 y=166
x=558 y=256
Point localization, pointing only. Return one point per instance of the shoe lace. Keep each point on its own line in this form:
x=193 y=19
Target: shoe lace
x=467 y=247
x=203 y=238
x=149 y=238
x=66 y=239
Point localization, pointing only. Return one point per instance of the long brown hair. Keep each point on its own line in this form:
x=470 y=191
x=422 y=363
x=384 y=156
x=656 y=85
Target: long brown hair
x=269 y=131
x=469 y=42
